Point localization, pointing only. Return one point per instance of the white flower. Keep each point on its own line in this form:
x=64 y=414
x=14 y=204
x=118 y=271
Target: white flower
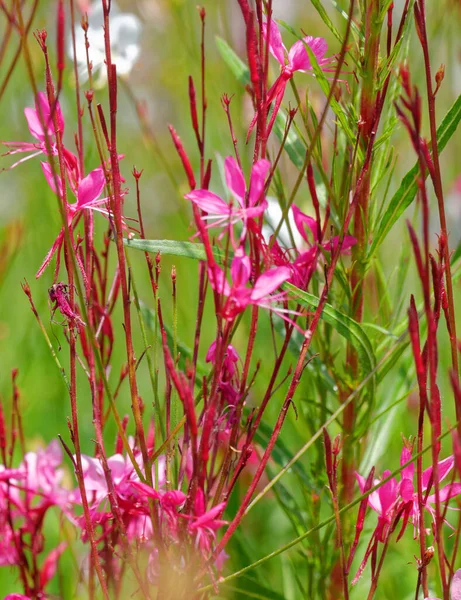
x=273 y=216
x=125 y=30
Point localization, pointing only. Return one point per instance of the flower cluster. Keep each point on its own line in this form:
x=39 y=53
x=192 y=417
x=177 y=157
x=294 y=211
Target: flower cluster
x=396 y=501
x=27 y=493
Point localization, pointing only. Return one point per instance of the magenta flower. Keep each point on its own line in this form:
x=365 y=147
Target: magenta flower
x=239 y=296
x=230 y=360
x=301 y=260
x=35 y=117
x=394 y=501
x=204 y=524
x=455 y=589
x=408 y=493
x=40 y=478
x=383 y=501
x=123 y=476
x=251 y=202
x=87 y=193
x=296 y=59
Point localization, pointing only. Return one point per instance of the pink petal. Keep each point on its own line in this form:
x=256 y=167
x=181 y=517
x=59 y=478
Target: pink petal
x=298 y=58
x=211 y=354
x=90 y=188
x=145 y=489
x=456 y=586
x=218 y=281
x=348 y=242
x=276 y=47
x=33 y=122
x=209 y=202
x=301 y=220
x=207 y=518
x=445 y=467
x=449 y=491
x=407 y=472
x=388 y=492
x=51 y=180
x=268 y=282
x=235 y=180
x=174 y=497
x=373 y=498
x=257 y=181
x=406 y=489
x=240 y=269
x=42 y=104
x=255 y=211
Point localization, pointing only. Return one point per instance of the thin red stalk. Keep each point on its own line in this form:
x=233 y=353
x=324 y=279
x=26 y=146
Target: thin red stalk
x=116 y=202
x=437 y=181
x=24 y=31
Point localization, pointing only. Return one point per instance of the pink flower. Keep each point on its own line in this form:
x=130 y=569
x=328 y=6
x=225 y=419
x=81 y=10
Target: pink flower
x=41 y=480
x=122 y=472
x=204 y=524
x=455 y=590
x=17 y=597
x=239 y=296
x=35 y=117
x=297 y=59
x=251 y=202
x=230 y=360
x=383 y=501
x=408 y=493
x=87 y=193
x=301 y=260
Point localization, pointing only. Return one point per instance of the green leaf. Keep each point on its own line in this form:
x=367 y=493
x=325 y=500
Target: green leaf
x=406 y=193
x=233 y=61
x=294 y=147
x=326 y=19
x=346 y=327
x=281 y=456
x=184 y=351
x=174 y=248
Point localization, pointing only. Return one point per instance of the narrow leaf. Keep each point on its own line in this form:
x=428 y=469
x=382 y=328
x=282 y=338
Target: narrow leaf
x=346 y=327
x=406 y=193
x=233 y=61
x=174 y=248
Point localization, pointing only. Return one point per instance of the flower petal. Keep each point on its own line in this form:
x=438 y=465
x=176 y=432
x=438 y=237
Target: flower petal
x=240 y=269
x=449 y=491
x=257 y=181
x=218 y=281
x=235 y=180
x=90 y=188
x=298 y=58
x=51 y=180
x=456 y=586
x=347 y=244
x=445 y=467
x=406 y=489
x=276 y=47
x=209 y=202
x=302 y=220
x=145 y=489
x=409 y=471
x=268 y=282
